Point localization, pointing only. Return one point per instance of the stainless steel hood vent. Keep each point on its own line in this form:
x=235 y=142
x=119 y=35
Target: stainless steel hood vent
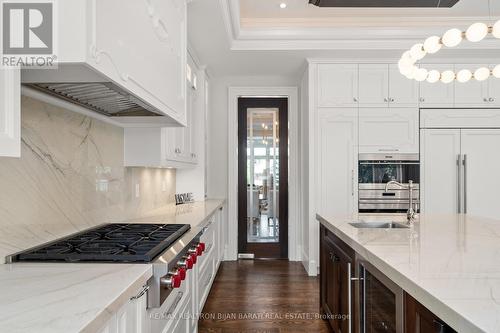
x=384 y=3
x=105 y=98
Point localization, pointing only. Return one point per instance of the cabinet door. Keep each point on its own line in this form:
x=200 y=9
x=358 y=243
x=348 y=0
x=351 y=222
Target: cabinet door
x=493 y=90
x=439 y=172
x=472 y=92
x=402 y=91
x=337 y=85
x=482 y=160
x=330 y=292
x=437 y=94
x=418 y=319
x=373 y=85
x=388 y=130
x=10 y=113
x=337 y=153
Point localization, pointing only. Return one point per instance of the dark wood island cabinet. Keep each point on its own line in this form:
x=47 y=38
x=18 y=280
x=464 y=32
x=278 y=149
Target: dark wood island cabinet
x=357 y=297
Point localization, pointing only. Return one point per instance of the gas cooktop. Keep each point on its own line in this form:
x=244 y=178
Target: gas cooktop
x=109 y=243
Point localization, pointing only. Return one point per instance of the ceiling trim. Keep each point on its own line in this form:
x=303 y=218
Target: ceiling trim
x=373 y=37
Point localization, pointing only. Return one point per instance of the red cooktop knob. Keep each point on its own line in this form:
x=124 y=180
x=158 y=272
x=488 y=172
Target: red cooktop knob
x=189 y=262
x=181 y=271
x=199 y=250
x=202 y=246
x=193 y=257
x=176 y=281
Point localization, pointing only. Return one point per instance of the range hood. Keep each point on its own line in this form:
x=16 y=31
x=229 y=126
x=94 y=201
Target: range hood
x=105 y=98
x=384 y=3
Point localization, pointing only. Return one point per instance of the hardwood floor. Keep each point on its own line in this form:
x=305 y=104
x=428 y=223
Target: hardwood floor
x=262 y=296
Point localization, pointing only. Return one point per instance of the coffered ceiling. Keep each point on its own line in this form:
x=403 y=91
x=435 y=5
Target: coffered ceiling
x=255 y=37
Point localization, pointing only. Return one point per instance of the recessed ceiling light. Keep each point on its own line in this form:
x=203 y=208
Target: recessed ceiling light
x=282 y=5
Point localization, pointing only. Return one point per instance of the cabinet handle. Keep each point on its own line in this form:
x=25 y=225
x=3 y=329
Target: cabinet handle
x=386 y=100
x=422 y=99
x=141 y=293
x=439 y=325
x=355 y=99
x=388 y=149
x=491 y=99
x=352 y=182
x=459 y=185
x=465 y=183
x=172 y=308
x=485 y=99
x=349 y=296
x=392 y=99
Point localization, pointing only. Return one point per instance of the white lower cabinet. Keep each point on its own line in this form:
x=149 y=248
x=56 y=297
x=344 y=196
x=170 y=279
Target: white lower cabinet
x=131 y=317
x=336 y=161
x=388 y=130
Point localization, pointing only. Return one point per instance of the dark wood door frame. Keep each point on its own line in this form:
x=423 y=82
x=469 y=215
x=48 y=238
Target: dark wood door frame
x=272 y=250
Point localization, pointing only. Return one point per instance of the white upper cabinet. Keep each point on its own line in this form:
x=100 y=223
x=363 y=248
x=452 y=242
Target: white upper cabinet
x=10 y=113
x=388 y=130
x=140 y=47
x=337 y=85
x=373 y=85
x=402 y=91
x=437 y=95
x=472 y=93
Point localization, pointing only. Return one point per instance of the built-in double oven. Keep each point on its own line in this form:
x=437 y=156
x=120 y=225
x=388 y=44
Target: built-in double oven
x=376 y=170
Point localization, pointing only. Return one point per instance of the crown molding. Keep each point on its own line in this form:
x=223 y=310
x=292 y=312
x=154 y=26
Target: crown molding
x=371 y=34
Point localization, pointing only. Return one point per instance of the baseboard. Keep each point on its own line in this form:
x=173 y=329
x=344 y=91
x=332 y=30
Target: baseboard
x=310 y=266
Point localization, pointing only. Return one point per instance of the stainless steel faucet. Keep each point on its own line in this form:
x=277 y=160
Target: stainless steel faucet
x=410 y=214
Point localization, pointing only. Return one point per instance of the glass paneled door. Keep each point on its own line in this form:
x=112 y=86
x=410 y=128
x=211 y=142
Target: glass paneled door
x=263 y=177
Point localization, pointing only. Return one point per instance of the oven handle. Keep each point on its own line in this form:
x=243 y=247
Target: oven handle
x=388 y=162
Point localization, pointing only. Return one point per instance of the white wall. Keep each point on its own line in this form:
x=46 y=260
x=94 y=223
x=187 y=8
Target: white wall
x=217 y=162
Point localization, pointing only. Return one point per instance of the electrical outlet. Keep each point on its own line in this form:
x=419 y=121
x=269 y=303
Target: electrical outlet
x=137 y=190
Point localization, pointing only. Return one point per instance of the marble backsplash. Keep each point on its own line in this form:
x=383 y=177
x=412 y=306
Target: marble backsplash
x=70 y=177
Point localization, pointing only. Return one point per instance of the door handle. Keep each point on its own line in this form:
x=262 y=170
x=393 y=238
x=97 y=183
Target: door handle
x=459 y=185
x=465 y=183
x=439 y=326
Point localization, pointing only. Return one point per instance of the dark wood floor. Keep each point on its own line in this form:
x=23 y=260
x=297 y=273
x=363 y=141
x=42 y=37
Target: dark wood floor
x=262 y=296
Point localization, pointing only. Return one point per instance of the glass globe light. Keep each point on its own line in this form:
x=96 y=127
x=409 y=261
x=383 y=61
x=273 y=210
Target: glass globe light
x=433 y=76
x=417 y=52
x=464 y=75
x=405 y=65
x=447 y=76
x=496 y=71
x=476 y=32
x=432 y=44
x=481 y=74
x=421 y=74
x=412 y=72
x=496 y=29
x=452 y=37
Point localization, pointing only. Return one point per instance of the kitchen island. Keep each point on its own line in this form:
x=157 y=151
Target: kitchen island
x=448 y=263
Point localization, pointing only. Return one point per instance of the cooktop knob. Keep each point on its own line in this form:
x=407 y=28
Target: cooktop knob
x=201 y=246
x=187 y=262
x=181 y=271
x=171 y=281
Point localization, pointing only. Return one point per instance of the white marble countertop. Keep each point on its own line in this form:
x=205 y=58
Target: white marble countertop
x=449 y=263
x=73 y=297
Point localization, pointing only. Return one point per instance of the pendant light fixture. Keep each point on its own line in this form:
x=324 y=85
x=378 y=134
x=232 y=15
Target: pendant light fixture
x=451 y=38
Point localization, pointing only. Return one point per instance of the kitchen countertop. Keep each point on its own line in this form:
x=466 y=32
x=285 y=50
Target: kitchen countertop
x=449 y=263
x=81 y=297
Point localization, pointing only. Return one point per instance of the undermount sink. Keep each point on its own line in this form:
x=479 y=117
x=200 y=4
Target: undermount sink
x=379 y=225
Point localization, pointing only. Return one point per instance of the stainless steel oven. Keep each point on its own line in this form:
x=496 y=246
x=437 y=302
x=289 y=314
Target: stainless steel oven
x=375 y=171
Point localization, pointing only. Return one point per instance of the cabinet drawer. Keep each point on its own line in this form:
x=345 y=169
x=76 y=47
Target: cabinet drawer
x=205 y=281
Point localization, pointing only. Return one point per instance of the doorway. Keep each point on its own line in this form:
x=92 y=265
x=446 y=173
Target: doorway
x=262 y=177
